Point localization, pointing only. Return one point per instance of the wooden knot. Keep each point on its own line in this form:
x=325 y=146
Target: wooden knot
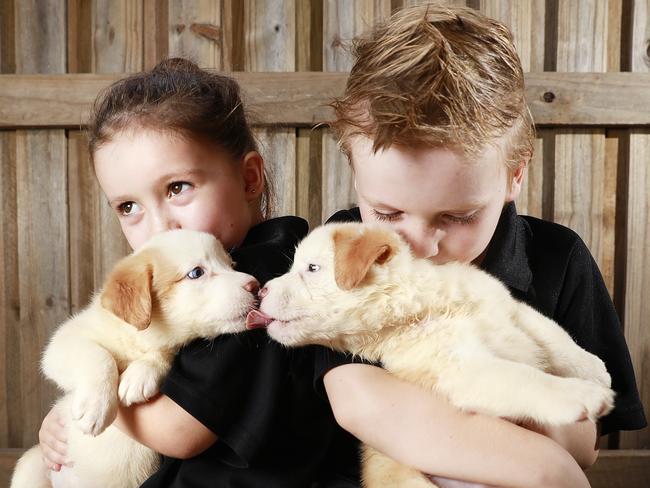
x=209 y=31
x=549 y=96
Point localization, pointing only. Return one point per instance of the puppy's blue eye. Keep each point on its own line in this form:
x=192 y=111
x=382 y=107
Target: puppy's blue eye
x=313 y=268
x=196 y=273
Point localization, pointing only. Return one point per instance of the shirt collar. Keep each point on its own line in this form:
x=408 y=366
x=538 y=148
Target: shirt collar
x=506 y=257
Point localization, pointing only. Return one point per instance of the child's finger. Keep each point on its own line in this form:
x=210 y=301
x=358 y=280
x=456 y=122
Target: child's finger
x=52 y=457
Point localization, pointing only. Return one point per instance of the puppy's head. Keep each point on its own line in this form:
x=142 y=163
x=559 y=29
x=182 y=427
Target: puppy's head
x=182 y=284
x=338 y=288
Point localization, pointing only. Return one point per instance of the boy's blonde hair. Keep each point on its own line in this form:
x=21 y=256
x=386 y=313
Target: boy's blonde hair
x=440 y=77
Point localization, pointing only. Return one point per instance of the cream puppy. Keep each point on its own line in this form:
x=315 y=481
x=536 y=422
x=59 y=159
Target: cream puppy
x=451 y=328
x=178 y=287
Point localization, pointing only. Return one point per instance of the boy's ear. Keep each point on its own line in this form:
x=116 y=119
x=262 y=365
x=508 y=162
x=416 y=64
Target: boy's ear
x=128 y=289
x=252 y=167
x=515 y=182
x=355 y=253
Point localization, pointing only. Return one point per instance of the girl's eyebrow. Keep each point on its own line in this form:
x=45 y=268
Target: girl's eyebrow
x=172 y=175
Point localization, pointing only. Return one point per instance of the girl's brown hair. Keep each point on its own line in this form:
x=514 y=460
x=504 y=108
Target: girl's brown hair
x=437 y=76
x=178 y=97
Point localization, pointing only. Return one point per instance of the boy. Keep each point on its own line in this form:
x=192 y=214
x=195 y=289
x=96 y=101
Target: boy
x=436 y=128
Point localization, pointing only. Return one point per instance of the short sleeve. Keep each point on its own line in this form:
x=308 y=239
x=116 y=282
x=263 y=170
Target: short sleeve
x=586 y=311
x=326 y=359
x=206 y=380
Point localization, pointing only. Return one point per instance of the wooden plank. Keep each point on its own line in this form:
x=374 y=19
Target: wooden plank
x=309 y=57
x=343 y=21
x=41 y=216
x=270 y=44
x=621 y=469
x=156 y=31
x=522 y=18
x=300 y=99
x=196 y=31
x=118 y=32
x=637 y=274
x=10 y=366
x=585 y=180
x=7 y=37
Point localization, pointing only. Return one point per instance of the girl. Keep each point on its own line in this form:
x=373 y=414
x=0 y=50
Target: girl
x=172 y=149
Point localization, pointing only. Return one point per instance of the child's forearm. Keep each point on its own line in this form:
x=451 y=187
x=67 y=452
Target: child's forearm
x=420 y=429
x=162 y=425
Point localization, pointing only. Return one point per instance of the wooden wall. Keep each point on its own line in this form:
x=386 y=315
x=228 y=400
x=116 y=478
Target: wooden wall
x=58 y=236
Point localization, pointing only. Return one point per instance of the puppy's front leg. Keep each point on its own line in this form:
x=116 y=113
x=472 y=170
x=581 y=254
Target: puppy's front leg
x=565 y=357
x=142 y=378
x=86 y=371
x=502 y=388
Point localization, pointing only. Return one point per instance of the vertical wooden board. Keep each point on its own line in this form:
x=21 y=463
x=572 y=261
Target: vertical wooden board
x=40 y=36
x=79 y=48
x=196 y=31
x=156 y=31
x=118 y=32
x=523 y=19
x=42 y=240
x=42 y=264
x=10 y=366
x=269 y=32
x=7 y=37
x=456 y=3
x=343 y=20
x=309 y=57
x=580 y=193
x=637 y=269
x=637 y=308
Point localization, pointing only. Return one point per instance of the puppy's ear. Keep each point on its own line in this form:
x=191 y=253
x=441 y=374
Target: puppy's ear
x=128 y=289
x=355 y=253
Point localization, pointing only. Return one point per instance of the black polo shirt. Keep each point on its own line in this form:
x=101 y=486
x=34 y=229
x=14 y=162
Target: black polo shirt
x=550 y=268
x=254 y=394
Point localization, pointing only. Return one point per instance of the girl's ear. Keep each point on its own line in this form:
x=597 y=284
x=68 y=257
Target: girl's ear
x=252 y=168
x=515 y=182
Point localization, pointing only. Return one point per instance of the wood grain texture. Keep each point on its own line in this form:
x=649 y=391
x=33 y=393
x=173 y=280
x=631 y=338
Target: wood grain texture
x=585 y=180
x=196 y=31
x=270 y=43
x=342 y=20
x=637 y=266
x=118 y=36
x=156 y=31
x=300 y=99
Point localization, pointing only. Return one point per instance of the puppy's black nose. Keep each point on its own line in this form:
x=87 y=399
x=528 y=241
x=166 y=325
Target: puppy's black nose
x=263 y=292
x=252 y=286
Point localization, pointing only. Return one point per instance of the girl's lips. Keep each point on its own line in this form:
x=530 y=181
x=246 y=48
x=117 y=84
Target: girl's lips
x=257 y=320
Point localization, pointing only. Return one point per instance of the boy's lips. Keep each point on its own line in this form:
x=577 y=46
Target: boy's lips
x=257 y=320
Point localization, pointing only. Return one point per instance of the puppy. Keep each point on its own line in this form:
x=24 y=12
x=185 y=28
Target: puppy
x=179 y=287
x=450 y=328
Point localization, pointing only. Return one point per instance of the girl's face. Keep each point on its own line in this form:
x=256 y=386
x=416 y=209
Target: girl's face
x=446 y=208
x=156 y=181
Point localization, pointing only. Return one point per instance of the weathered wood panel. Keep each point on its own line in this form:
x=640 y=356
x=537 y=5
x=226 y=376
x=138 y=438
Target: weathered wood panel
x=342 y=21
x=637 y=238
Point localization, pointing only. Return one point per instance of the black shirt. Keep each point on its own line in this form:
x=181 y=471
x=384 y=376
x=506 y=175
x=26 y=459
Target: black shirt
x=550 y=268
x=254 y=394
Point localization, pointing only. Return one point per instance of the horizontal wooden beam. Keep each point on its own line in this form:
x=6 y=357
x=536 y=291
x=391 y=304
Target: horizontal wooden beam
x=300 y=99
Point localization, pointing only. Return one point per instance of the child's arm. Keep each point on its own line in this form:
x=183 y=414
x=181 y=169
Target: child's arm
x=422 y=430
x=182 y=436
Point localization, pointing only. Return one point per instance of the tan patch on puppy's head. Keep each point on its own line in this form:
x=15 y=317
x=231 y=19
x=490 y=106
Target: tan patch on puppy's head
x=355 y=253
x=128 y=290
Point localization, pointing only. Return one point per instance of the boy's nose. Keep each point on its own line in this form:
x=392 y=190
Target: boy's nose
x=163 y=222
x=425 y=243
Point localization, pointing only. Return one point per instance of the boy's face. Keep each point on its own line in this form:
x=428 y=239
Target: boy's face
x=445 y=207
x=156 y=182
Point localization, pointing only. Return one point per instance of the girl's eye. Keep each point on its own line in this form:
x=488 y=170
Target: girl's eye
x=196 y=273
x=313 y=268
x=127 y=208
x=386 y=217
x=177 y=188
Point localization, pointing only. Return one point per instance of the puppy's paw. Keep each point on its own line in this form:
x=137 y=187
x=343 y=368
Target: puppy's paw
x=138 y=383
x=94 y=408
x=578 y=400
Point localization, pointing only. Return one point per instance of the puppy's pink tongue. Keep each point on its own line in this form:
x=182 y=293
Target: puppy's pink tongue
x=256 y=319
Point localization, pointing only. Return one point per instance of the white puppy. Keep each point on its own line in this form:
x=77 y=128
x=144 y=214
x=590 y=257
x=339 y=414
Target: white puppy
x=179 y=287
x=451 y=328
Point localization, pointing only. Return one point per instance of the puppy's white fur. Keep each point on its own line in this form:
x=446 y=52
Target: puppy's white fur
x=121 y=347
x=451 y=328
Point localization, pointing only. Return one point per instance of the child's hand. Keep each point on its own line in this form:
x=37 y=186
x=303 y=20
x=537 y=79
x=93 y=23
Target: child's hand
x=53 y=440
